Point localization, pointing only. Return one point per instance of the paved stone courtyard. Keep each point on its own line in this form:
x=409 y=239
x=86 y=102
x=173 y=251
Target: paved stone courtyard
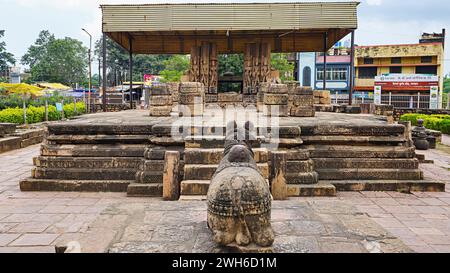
x=101 y=222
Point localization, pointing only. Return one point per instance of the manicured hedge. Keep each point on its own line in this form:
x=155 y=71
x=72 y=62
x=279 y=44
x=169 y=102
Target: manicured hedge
x=433 y=122
x=37 y=114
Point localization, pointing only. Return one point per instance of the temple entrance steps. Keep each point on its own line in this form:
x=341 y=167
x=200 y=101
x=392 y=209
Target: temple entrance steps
x=365 y=162
x=87 y=157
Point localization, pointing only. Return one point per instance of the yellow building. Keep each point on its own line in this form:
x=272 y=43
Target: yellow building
x=407 y=61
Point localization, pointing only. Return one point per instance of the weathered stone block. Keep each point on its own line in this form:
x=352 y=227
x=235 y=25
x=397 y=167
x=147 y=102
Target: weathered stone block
x=277 y=89
x=211 y=98
x=302 y=178
x=194 y=187
x=302 y=100
x=9 y=144
x=324 y=190
x=7 y=129
x=190 y=98
x=160 y=100
x=31 y=184
x=160 y=111
x=302 y=112
x=171 y=184
x=190 y=110
x=277 y=175
x=191 y=87
x=144 y=190
x=230 y=97
x=275 y=99
x=159 y=89
x=304 y=166
x=276 y=110
x=148 y=177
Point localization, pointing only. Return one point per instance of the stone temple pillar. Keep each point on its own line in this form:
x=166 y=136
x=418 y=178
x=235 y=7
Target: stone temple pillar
x=204 y=66
x=256 y=66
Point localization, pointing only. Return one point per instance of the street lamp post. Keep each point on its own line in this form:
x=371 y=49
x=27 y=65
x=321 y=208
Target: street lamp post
x=90 y=72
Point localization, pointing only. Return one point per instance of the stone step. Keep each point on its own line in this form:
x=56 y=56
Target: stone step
x=102 y=150
x=352 y=151
x=149 y=177
x=296 y=167
x=219 y=142
x=220 y=130
x=404 y=186
x=100 y=129
x=368 y=163
x=212 y=142
x=205 y=172
x=32 y=184
x=302 y=178
x=87 y=162
x=215 y=155
x=84 y=174
x=145 y=190
x=9 y=144
x=328 y=129
x=369 y=174
x=192 y=198
x=317 y=190
x=343 y=140
x=97 y=139
x=194 y=187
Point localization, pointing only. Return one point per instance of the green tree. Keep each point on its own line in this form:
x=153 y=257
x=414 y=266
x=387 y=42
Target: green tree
x=57 y=60
x=174 y=68
x=117 y=59
x=280 y=62
x=447 y=84
x=6 y=58
x=233 y=63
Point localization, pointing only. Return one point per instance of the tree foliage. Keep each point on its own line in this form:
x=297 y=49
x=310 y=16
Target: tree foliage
x=279 y=61
x=231 y=63
x=6 y=58
x=117 y=59
x=57 y=60
x=447 y=84
x=174 y=68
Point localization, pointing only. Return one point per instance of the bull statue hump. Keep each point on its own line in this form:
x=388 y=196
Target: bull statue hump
x=239 y=200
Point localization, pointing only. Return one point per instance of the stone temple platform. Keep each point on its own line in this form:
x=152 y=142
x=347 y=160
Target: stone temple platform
x=125 y=152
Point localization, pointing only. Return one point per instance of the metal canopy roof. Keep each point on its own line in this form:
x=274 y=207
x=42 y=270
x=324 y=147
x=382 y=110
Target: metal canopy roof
x=175 y=28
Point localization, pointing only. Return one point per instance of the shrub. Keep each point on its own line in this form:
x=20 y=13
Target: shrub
x=432 y=122
x=37 y=114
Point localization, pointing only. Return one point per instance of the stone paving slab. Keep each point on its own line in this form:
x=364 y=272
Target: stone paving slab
x=98 y=222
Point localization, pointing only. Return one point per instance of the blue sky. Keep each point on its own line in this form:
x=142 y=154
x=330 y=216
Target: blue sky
x=380 y=21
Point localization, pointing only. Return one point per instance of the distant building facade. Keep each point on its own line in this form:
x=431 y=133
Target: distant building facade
x=311 y=70
x=405 y=69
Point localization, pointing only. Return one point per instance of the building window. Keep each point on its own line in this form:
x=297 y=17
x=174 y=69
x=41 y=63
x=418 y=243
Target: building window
x=395 y=70
x=396 y=60
x=429 y=70
x=367 y=72
x=368 y=61
x=307 y=76
x=426 y=59
x=333 y=74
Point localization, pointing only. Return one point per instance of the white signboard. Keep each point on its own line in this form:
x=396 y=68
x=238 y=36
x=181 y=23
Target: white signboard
x=406 y=78
x=434 y=97
x=377 y=95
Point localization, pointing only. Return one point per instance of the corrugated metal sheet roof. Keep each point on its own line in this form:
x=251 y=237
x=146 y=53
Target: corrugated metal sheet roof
x=229 y=16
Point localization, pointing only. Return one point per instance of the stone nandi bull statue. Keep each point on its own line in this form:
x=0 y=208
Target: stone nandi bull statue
x=239 y=200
